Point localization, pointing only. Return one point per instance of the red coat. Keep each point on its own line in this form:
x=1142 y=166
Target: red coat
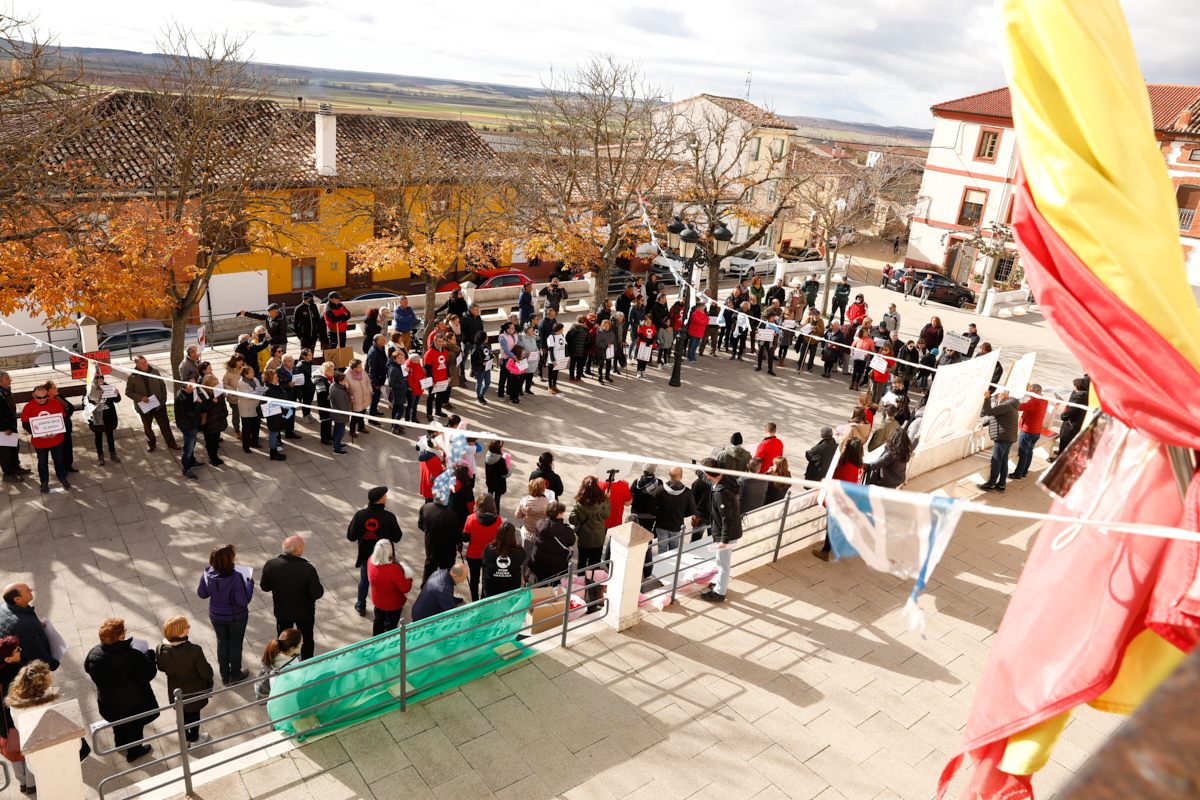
x=857 y=312
x=1033 y=413
x=697 y=323
x=336 y=318
x=430 y=469
x=768 y=450
x=676 y=317
x=416 y=374
x=389 y=586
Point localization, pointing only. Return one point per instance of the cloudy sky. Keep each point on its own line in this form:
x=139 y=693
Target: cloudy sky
x=881 y=61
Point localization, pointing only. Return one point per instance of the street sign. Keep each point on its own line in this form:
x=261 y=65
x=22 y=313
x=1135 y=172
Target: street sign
x=79 y=364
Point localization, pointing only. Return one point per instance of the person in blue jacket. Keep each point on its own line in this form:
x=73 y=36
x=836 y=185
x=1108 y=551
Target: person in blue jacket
x=377 y=369
x=404 y=321
x=437 y=595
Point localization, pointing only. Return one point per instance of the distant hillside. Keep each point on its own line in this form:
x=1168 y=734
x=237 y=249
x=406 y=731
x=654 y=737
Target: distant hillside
x=861 y=131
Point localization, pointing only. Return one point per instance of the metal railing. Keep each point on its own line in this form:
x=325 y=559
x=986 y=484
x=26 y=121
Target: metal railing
x=1186 y=217
x=783 y=524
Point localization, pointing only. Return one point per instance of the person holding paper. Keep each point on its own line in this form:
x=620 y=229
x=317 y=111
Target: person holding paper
x=187 y=669
x=527 y=339
x=288 y=382
x=247 y=407
x=10 y=453
x=358 y=384
x=102 y=417
x=187 y=419
x=767 y=334
x=453 y=352
x=339 y=405
x=18 y=618
x=275 y=410
x=437 y=373
x=124 y=675
x=69 y=411
x=516 y=367
x=606 y=351
x=45 y=419
x=215 y=413
x=646 y=342
x=148 y=392
x=228 y=589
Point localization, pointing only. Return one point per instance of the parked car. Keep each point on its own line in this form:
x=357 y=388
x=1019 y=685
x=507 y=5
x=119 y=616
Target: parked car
x=142 y=336
x=944 y=289
x=371 y=294
x=488 y=279
x=749 y=263
x=800 y=254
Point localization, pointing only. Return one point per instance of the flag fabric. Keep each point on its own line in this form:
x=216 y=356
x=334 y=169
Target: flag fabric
x=201 y=340
x=1096 y=223
x=900 y=533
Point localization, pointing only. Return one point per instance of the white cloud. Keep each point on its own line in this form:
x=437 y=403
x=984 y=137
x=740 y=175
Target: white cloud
x=883 y=61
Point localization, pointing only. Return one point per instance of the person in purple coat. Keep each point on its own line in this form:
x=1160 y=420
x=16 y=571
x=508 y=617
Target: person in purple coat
x=228 y=593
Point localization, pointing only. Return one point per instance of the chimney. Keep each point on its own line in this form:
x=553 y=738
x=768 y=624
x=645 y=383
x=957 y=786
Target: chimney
x=1185 y=119
x=326 y=140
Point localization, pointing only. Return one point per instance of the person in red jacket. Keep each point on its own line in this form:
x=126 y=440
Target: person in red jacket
x=645 y=338
x=769 y=449
x=337 y=317
x=857 y=311
x=415 y=376
x=430 y=459
x=437 y=364
x=478 y=532
x=697 y=325
x=1033 y=415
x=390 y=582
x=47 y=437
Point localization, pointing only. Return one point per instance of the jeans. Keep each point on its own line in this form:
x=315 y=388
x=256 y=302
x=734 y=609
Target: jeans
x=552 y=377
x=376 y=393
x=999 y=473
x=273 y=439
x=112 y=447
x=663 y=535
x=410 y=408
x=860 y=368
x=693 y=343
x=739 y=346
x=189 y=449
x=767 y=348
x=1025 y=445
x=339 y=431
x=44 y=456
x=10 y=460
x=363 y=586
x=483 y=380
x=575 y=370
x=229 y=646
x=724 y=560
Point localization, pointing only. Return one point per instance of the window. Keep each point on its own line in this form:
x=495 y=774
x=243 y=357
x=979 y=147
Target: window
x=985 y=148
x=1012 y=202
x=439 y=200
x=1004 y=268
x=306 y=205
x=1194 y=155
x=755 y=146
x=777 y=149
x=359 y=279
x=972 y=208
x=303 y=274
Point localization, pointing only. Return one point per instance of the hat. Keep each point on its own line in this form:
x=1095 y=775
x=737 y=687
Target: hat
x=273 y=307
x=333 y=296
x=376 y=493
x=649 y=468
x=735 y=439
x=307 y=296
x=933 y=351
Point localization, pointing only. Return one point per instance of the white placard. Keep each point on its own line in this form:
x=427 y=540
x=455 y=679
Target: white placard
x=141 y=645
x=426 y=383
x=272 y=409
x=487 y=365
x=299 y=379
x=531 y=361
x=385 y=393
x=523 y=365
x=562 y=363
x=806 y=330
x=261 y=390
x=960 y=344
x=610 y=352
x=643 y=352
x=47 y=424
x=108 y=391
x=10 y=439
x=879 y=363
x=1020 y=374
x=244 y=571
x=217 y=392
x=765 y=334
x=956 y=397
x=148 y=405
x=440 y=386
x=58 y=645
x=790 y=324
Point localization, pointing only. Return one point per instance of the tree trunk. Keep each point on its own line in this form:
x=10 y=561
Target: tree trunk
x=430 y=304
x=602 y=273
x=829 y=264
x=179 y=318
x=714 y=280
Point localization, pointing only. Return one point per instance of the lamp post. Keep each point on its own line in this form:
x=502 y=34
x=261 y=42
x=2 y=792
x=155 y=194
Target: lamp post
x=688 y=239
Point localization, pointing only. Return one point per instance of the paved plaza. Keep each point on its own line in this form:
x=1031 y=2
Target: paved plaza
x=804 y=685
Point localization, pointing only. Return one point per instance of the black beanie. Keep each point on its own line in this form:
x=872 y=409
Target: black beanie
x=735 y=439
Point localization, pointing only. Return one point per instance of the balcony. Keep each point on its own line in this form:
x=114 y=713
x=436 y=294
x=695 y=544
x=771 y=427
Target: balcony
x=1186 y=215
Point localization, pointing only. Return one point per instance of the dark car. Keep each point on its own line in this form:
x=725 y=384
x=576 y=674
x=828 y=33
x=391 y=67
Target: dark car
x=944 y=290
x=800 y=254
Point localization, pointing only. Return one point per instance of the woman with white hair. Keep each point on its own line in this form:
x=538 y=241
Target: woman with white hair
x=390 y=582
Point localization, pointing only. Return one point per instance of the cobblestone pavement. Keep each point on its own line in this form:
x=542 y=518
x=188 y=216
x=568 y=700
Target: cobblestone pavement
x=131 y=539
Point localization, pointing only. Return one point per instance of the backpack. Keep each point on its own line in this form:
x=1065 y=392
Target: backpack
x=262 y=686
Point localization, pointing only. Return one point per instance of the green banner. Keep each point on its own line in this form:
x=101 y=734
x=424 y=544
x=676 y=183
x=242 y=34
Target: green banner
x=444 y=636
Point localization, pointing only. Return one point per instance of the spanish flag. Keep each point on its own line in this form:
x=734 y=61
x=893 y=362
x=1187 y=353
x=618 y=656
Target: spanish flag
x=1103 y=618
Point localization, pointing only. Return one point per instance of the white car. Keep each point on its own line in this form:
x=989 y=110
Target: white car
x=749 y=263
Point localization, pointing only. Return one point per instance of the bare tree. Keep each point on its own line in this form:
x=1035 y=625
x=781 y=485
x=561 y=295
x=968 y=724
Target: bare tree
x=596 y=149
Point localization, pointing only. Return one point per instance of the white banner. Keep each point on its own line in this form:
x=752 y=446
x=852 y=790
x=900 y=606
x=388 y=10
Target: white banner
x=1020 y=374
x=879 y=363
x=956 y=398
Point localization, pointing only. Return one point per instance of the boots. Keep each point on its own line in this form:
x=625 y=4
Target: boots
x=100 y=457
x=112 y=455
x=278 y=456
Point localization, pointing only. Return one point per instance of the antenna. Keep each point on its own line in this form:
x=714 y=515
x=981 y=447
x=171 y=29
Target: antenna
x=749 y=77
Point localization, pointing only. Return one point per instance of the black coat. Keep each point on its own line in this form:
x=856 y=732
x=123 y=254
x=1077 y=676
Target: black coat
x=123 y=680
x=820 y=456
x=275 y=422
x=1072 y=420
x=187 y=411
x=368 y=526
x=104 y=415
x=277 y=327
x=308 y=323
x=725 y=514
x=552 y=543
x=377 y=365
x=443 y=534
x=8 y=411
x=470 y=325
x=216 y=414
x=553 y=482
x=577 y=341
x=496 y=474
x=187 y=669
x=294 y=585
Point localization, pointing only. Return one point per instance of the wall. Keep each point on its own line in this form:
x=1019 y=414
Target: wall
x=231 y=292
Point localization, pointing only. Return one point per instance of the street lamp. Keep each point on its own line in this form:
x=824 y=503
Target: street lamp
x=688 y=239
x=673 y=230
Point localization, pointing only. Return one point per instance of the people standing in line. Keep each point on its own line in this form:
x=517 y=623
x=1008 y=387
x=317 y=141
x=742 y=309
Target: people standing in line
x=496 y=469
x=849 y=469
x=767 y=347
x=437 y=364
x=674 y=505
x=368 y=526
x=443 y=536
x=734 y=456
x=516 y=368
x=123 y=676
x=69 y=437
x=770 y=448
x=752 y=493
x=807 y=344
x=229 y=382
x=820 y=456
x=437 y=592
x=377 y=368
x=295 y=589
x=189 y=370
x=10 y=455
x=337 y=318
x=831 y=351
x=531 y=510
x=228 y=593
x=358 y=385
x=841 y=298
x=48 y=446
x=588 y=517
x=274 y=410
x=247 y=407
x=578 y=342
x=390 y=582
x=397 y=385
x=187 y=669
x=453 y=373
x=551 y=544
x=478 y=532
x=606 y=351
x=556 y=353
x=646 y=342
x=18 y=618
x=102 y=418
x=725 y=526
x=503 y=562
x=339 y=411
x=697 y=326
x=864 y=346
x=1004 y=426
x=481 y=367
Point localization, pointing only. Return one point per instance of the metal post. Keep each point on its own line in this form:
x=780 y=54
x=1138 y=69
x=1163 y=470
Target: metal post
x=403 y=666
x=50 y=341
x=183 y=745
x=678 y=566
x=128 y=341
x=787 y=501
x=567 y=598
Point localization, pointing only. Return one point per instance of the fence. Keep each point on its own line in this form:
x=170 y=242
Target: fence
x=387 y=682
x=15 y=351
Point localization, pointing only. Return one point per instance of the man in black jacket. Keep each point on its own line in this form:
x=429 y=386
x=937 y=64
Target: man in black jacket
x=675 y=504
x=777 y=292
x=725 y=526
x=443 y=536
x=1004 y=427
x=841 y=298
x=17 y=618
x=295 y=589
x=308 y=323
x=377 y=362
x=276 y=324
x=820 y=456
x=10 y=457
x=368 y=526
x=470 y=324
x=187 y=419
x=554 y=294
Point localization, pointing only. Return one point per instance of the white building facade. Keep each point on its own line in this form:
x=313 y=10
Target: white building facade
x=970 y=176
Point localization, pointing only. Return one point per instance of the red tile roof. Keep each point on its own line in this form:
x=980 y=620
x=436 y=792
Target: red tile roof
x=749 y=112
x=1166 y=103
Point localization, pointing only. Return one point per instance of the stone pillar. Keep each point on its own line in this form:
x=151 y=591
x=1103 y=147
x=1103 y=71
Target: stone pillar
x=629 y=542
x=469 y=293
x=50 y=742
x=89 y=337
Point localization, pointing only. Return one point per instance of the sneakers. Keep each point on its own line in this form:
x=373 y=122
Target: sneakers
x=202 y=740
x=236 y=678
x=191 y=476
x=986 y=487
x=340 y=452
x=712 y=597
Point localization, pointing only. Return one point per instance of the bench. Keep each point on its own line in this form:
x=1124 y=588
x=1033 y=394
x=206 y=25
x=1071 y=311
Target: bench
x=996 y=300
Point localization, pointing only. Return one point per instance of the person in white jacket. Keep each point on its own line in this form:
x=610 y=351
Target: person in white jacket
x=556 y=352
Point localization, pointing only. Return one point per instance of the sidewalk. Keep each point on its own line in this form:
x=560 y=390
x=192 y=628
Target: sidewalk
x=804 y=685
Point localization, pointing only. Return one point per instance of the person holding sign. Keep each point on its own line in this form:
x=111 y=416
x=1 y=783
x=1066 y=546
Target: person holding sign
x=556 y=355
x=275 y=411
x=215 y=414
x=645 y=346
x=766 y=335
x=417 y=384
x=69 y=410
x=517 y=366
x=397 y=383
x=606 y=351
x=187 y=419
x=45 y=420
x=481 y=366
x=696 y=328
x=102 y=417
x=148 y=392
x=437 y=369
x=881 y=364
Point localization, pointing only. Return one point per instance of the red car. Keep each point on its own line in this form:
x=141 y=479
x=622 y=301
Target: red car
x=489 y=279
